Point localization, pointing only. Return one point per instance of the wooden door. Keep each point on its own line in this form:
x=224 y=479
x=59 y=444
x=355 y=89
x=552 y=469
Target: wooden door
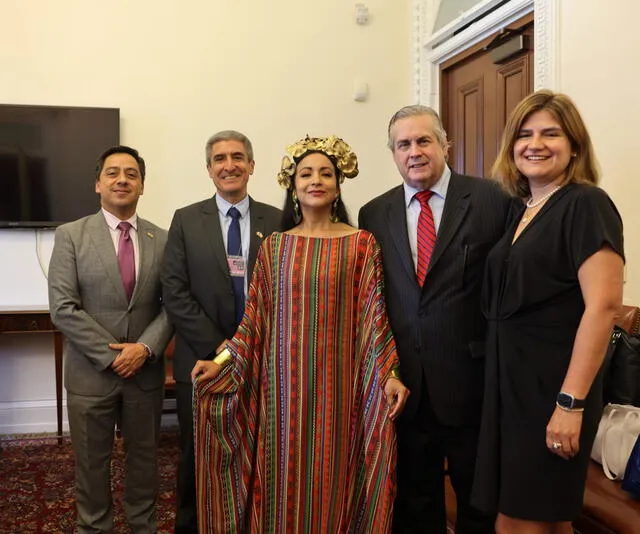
x=477 y=97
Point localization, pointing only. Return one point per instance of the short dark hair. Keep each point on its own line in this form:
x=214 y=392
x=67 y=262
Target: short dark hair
x=120 y=149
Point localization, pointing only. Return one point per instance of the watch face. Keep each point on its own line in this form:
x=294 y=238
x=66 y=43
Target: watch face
x=565 y=400
x=569 y=402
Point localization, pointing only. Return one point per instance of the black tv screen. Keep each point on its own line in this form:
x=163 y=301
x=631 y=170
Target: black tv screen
x=47 y=162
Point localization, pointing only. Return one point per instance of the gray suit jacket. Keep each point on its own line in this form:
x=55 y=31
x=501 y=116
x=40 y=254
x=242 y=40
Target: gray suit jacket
x=197 y=287
x=89 y=306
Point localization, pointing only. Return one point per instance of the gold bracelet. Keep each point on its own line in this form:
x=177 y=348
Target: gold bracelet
x=394 y=373
x=223 y=358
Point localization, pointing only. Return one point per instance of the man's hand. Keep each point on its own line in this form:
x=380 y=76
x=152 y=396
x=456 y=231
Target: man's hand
x=132 y=356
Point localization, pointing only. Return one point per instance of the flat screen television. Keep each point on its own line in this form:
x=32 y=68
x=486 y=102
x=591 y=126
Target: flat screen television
x=47 y=162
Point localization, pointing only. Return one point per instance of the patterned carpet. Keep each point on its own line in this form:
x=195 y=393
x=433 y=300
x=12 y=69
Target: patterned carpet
x=36 y=486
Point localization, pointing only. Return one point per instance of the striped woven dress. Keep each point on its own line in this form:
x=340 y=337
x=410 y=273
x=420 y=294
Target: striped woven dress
x=294 y=435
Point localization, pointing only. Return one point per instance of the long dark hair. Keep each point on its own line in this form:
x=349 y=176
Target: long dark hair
x=288 y=213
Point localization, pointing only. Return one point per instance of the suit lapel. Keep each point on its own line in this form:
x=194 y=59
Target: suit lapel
x=396 y=212
x=213 y=232
x=147 y=250
x=456 y=207
x=257 y=232
x=99 y=233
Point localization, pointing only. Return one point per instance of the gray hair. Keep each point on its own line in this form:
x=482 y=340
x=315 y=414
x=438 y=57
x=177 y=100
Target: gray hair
x=416 y=111
x=228 y=135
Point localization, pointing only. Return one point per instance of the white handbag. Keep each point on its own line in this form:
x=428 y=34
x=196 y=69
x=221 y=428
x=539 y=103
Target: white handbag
x=617 y=433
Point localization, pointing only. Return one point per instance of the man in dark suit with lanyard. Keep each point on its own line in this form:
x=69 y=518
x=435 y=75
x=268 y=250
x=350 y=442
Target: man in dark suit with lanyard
x=435 y=231
x=210 y=254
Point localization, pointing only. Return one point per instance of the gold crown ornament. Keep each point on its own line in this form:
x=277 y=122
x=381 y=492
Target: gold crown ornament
x=345 y=159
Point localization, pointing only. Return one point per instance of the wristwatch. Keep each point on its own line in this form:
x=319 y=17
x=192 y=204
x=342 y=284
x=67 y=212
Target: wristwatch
x=568 y=402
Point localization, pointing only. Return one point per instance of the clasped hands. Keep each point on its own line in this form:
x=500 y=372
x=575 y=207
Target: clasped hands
x=131 y=358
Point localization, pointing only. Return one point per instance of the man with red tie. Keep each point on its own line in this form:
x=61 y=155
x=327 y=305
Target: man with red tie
x=105 y=296
x=435 y=231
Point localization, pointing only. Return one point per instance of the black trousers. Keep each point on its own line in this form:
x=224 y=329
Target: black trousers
x=423 y=445
x=186 y=510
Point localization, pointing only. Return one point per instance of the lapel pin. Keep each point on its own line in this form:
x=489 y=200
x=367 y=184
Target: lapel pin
x=260 y=234
x=150 y=235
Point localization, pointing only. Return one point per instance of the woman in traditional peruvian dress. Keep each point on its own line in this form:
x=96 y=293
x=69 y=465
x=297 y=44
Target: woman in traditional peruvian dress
x=294 y=417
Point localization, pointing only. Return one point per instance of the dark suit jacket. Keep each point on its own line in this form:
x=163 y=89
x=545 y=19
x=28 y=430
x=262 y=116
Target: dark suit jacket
x=88 y=304
x=439 y=328
x=197 y=286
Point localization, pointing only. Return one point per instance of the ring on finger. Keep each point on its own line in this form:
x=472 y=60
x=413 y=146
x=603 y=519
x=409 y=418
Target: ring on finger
x=556 y=445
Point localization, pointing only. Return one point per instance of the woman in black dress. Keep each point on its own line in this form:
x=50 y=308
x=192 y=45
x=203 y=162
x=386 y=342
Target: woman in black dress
x=553 y=286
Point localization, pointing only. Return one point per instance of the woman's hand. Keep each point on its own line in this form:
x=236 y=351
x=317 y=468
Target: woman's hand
x=222 y=346
x=397 y=395
x=563 y=433
x=205 y=369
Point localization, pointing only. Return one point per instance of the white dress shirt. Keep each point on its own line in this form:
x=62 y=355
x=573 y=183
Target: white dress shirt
x=436 y=203
x=112 y=223
x=245 y=228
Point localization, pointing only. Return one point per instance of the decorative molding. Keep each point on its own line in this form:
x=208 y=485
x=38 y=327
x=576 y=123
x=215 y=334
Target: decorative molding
x=417 y=10
x=547 y=45
x=436 y=49
x=471 y=14
x=476 y=32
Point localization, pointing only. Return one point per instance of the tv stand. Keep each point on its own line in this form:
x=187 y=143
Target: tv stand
x=17 y=321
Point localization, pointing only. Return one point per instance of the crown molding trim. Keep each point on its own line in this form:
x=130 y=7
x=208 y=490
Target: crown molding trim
x=431 y=50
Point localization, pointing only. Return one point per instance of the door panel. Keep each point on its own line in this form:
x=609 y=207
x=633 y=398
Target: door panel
x=477 y=97
x=514 y=82
x=469 y=127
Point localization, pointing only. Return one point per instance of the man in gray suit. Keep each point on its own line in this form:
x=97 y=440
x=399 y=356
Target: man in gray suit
x=205 y=275
x=105 y=297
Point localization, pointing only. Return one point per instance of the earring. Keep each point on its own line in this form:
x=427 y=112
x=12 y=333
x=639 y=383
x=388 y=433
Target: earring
x=296 y=207
x=573 y=154
x=334 y=211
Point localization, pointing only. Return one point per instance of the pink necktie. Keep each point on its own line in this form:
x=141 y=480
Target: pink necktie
x=126 y=261
x=426 y=235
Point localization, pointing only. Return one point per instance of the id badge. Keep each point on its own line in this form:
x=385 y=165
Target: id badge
x=237 y=266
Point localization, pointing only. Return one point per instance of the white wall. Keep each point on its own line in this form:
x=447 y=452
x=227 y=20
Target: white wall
x=180 y=72
x=600 y=55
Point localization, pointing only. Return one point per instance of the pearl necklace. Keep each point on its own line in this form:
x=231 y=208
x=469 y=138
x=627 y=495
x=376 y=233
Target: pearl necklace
x=527 y=217
x=531 y=204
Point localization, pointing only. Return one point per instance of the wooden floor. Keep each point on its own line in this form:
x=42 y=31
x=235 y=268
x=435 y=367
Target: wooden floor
x=450 y=500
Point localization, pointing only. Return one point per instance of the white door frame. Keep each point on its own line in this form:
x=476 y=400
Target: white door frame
x=431 y=50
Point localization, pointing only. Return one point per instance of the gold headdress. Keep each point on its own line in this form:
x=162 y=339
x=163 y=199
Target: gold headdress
x=333 y=146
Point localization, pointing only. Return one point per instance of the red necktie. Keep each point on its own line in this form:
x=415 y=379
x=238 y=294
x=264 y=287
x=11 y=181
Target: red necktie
x=426 y=235
x=126 y=261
